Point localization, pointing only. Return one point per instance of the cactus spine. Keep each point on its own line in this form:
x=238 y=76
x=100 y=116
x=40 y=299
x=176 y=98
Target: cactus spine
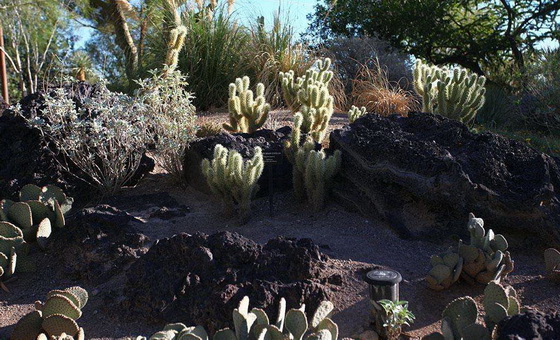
x=246 y=113
x=310 y=96
x=312 y=170
x=255 y=324
x=177 y=35
x=234 y=179
x=356 y=113
x=454 y=93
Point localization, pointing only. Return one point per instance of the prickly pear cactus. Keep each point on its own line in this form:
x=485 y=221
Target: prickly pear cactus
x=552 y=263
x=499 y=302
x=56 y=318
x=485 y=258
x=255 y=324
x=446 y=270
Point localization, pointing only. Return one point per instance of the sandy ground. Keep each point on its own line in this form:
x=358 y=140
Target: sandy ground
x=352 y=241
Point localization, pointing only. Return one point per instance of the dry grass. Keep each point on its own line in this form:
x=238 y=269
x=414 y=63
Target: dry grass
x=372 y=89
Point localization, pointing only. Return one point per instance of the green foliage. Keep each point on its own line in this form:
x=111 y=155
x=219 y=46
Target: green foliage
x=171 y=116
x=396 y=315
x=454 y=93
x=312 y=170
x=499 y=302
x=478 y=35
x=356 y=113
x=483 y=260
x=234 y=179
x=255 y=324
x=56 y=318
x=246 y=113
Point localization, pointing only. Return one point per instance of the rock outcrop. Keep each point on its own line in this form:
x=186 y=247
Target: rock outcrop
x=199 y=279
x=529 y=325
x=424 y=174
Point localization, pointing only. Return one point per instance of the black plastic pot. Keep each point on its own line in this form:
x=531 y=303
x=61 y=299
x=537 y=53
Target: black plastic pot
x=383 y=284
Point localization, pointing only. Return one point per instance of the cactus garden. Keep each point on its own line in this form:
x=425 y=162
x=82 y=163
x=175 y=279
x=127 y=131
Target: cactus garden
x=172 y=170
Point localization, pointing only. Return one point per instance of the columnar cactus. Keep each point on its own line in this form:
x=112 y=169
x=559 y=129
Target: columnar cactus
x=356 y=113
x=310 y=96
x=312 y=170
x=552 y=263
x=255 y=324
x=175 y=44
x=446 y=270
x=56 y=318
x=485 y=258
x=38 y=210
x=246 y=113
x=234 y=179
x=454 y=93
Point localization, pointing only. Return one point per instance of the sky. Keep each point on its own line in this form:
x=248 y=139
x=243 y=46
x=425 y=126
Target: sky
x=246 y=10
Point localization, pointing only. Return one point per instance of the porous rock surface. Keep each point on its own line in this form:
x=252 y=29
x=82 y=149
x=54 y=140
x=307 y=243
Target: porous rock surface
x=99 y=243
x=268 y=140
x=424 y=173
x=26 y=158
x=199 y=279
x=529 y=325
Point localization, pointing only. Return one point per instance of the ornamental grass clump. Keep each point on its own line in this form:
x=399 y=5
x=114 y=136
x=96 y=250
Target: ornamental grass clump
x=101 y=140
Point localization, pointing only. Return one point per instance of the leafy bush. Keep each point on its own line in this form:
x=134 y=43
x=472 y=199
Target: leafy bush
x=395 y=316
x=171 y=118
x=105 y=137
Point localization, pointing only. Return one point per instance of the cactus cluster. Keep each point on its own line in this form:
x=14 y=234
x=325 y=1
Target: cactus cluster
x=552 y=263
x=54 y=319
x=255 y=324
x=455 y=93
x=459 y=319
x=234 y=179
x=356 y=113
x=312 y=170
x=247 y=114
x=484 y=260
x=310 y=96
x=175 y=44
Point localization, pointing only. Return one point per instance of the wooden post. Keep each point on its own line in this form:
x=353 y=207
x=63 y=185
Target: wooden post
x=3 y=74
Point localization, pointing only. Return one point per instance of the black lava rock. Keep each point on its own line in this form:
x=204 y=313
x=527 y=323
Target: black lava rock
x=530 y=325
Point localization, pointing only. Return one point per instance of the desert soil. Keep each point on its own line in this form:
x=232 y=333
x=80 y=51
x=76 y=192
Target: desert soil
x=352 y=241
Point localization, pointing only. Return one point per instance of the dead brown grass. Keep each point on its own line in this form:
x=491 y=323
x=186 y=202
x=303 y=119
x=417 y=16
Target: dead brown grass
x=372 y=89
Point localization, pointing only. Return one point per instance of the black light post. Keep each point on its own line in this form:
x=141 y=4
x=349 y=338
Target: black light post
x=383 y=285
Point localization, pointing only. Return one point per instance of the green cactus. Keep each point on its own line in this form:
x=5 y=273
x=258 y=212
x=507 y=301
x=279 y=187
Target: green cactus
x=36 y=213
x=552 y=263
x=356 y=113
x=499 y=302
x=175 y=44
x=56 y=318
x=255 y=324
x=309 y=95
x=446 y=270
x=234 y=179
x=459 y=322
x=485 y=258
x=312 y=170
x=454 y=93
x=246 y=113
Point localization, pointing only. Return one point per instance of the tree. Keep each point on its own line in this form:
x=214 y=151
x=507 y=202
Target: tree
x=479 y=35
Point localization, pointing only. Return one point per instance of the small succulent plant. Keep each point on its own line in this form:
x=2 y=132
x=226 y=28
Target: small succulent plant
x=483 y=260
x=395 y=316
x=459 y=319
x=255 y=324
x=552 y=262
x=356 y=113
x=54 y=319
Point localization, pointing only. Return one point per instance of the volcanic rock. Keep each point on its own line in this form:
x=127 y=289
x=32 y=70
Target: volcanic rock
x=199 y=279
x=530 y=325
x=424 y=174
